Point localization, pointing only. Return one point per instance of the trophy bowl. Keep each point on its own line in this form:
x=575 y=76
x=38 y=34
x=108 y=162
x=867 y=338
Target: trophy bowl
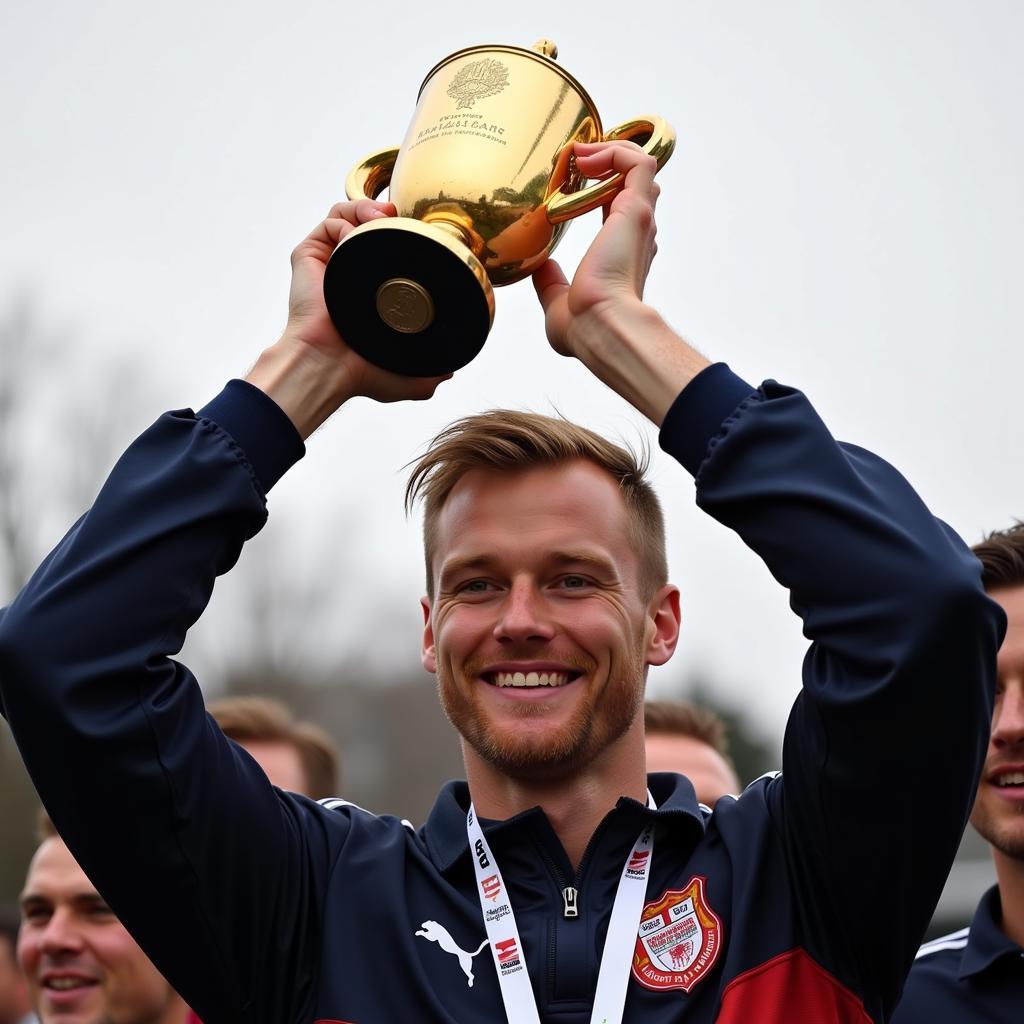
x=484 y=183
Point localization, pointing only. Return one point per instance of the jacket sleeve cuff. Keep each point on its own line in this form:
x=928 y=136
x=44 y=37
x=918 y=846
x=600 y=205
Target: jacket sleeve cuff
x=260 y=427
x=697 y=414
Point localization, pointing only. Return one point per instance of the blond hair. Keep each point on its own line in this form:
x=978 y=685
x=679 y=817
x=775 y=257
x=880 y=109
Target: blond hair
x=507 y=441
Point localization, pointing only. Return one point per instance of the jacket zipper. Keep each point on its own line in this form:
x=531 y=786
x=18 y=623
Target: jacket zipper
x=569 y=899
x=570 y=903
x=571 y=893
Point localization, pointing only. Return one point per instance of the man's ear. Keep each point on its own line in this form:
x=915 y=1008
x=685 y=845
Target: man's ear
x=663 y=619
x=427 y=654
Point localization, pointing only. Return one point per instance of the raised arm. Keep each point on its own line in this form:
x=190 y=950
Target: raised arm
x=885 y=743
x=209 y=867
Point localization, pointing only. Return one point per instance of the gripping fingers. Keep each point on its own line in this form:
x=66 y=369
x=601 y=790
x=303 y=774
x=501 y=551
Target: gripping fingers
x=598 y=160
x=603 y=159
x=360 y=211
x=341 y=219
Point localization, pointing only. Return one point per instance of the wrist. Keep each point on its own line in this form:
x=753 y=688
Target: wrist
x=628 y=346
x=306 y=382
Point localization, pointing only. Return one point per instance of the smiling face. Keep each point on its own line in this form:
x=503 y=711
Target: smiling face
x=998 y=813
x=538 y=632
x=81 y=964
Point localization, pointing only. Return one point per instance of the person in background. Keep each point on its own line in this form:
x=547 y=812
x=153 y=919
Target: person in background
x=297 y=756
x=976 y=975
x=14 y=1003
x=690 y=740
x=80 y=964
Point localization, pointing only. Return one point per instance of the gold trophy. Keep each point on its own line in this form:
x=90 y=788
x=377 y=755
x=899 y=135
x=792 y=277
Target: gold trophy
x=484 y=183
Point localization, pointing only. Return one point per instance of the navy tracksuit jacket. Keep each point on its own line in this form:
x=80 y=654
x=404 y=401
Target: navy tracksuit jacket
x=974 y=976
x=803 y=901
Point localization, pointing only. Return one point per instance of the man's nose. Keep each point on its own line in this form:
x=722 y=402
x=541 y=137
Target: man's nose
x=524 y=614
x=1008 y=727
x=61 y=935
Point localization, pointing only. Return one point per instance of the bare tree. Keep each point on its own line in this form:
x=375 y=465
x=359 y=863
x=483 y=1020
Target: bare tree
x=96 y=431
x=23 y=346
x=58 y=438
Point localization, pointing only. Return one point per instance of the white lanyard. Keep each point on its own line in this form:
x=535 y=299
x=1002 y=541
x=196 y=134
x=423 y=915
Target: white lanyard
x=507 y=949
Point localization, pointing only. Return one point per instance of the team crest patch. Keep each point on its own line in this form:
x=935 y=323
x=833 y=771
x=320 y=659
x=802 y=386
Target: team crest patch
x=679 y=939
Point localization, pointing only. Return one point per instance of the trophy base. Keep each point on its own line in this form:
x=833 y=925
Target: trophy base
x=409 y=297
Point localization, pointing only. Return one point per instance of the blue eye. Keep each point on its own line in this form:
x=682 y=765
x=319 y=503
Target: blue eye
x=575 y=582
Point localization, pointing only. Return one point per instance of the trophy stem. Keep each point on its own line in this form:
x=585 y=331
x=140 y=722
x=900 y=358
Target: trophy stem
x=461 y=231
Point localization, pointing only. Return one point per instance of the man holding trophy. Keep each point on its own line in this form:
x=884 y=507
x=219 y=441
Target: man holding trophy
x=559 y=883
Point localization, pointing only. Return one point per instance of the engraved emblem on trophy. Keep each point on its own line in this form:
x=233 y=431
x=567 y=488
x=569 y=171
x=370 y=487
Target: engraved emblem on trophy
x=478 y=80
x=485 y=185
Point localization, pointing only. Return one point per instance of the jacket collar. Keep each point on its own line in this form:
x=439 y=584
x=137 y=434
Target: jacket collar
x=986 y=942
x=445 y=830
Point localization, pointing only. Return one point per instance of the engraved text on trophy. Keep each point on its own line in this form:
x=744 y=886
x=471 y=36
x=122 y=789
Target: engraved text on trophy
x=461 y=124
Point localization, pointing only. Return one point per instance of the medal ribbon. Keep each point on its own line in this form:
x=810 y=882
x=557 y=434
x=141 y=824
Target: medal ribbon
x=507 y=948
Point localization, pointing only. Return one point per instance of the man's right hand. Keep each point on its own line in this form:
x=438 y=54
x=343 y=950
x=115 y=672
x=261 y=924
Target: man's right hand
x=310 y=372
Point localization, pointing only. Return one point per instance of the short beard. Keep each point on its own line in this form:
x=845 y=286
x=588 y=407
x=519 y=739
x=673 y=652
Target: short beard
x=551 y=758
x=1007 y=839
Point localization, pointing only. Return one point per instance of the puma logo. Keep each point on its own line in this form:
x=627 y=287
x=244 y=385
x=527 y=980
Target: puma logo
x=434 y=932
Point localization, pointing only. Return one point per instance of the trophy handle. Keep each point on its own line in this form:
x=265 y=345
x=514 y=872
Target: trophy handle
x=660 y=141
x=372 y=175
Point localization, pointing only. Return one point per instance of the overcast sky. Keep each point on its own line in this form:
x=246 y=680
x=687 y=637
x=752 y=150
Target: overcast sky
x=843 y=213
